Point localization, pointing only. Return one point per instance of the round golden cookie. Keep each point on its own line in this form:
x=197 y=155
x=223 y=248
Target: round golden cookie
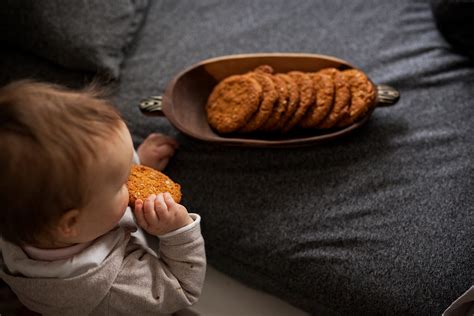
x=233 y=102
x=280 y=104
x=265 y=69
x=270 y=95
x=305 y=86
x=342 y=99
x=324 y=89
x=363 y=96
x=144 y=181
x=292 y=104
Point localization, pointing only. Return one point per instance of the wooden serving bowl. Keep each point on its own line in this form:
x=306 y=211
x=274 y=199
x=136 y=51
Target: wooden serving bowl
x=183 y=103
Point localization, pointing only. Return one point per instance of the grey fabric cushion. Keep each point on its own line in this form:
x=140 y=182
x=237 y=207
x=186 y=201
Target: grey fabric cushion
x=377 y=223
x=89 y=35
x=19 y=64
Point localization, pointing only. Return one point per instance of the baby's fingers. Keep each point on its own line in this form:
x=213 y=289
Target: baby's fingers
x=169 y=200
x=149 y=211
x=160 y=139
x=163 y=163
x=161 y=207
x=138 y=211
x=164 y=150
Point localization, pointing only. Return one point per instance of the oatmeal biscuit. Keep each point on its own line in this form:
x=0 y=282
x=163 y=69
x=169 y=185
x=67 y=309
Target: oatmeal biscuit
x=144 y=181
x=280 y=104
x=305 y=86
x=270 y=95
x=362 y=95
x=265 y=69
x=342 y=99
x=292 y=104
x=324 y=89
x=233 y=102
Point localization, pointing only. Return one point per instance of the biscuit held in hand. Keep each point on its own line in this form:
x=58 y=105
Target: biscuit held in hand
x=145 y=181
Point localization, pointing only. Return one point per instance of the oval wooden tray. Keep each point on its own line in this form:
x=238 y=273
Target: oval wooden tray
x=186 y=95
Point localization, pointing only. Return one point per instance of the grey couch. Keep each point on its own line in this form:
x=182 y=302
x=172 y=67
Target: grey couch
x=378 y=222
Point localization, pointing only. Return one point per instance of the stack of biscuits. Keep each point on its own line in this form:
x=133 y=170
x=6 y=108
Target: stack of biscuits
x=262 y=101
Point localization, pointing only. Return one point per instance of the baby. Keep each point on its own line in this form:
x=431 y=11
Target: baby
x=69 y=243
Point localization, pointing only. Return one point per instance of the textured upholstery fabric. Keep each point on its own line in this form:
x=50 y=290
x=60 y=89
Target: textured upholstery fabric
x=379 y=222
x=88 y=35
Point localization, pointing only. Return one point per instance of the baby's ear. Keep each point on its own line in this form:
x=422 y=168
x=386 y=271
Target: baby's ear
x=67 y=225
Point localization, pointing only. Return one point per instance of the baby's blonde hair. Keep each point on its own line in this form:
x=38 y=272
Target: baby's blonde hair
x=48 y=136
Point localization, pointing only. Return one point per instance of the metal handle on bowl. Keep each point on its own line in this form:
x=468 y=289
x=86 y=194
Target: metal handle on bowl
x=387 y=95
x=152 y=105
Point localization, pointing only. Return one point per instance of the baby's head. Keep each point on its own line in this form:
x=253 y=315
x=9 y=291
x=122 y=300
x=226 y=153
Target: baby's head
x=64 y=160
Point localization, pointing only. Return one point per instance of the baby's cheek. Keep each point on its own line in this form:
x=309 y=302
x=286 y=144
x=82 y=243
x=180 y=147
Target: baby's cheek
x=125 y=195
x=125 y=199
x=120 y=211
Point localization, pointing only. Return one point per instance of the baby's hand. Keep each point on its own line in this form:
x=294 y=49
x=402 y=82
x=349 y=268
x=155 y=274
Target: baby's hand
x=156 y=150
x=160 y=214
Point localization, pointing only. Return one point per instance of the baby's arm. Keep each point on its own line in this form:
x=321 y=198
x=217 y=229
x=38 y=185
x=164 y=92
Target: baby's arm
x=173 y=281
